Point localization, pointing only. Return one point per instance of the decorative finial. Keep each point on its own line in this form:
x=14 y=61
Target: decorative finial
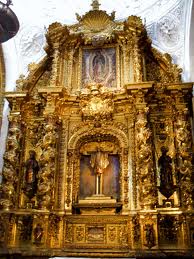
x=95 y=5
x=9 y=2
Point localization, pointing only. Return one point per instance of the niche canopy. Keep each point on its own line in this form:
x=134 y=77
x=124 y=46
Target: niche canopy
x=9 y=24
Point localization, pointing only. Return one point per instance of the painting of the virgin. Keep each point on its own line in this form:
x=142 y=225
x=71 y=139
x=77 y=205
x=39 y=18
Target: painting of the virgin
x=99 y=66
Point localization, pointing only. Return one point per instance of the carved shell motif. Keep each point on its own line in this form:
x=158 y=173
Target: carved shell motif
x=96 y=21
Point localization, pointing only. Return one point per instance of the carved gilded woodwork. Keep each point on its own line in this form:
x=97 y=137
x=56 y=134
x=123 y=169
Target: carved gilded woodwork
x=144 y=161
x=141 y=109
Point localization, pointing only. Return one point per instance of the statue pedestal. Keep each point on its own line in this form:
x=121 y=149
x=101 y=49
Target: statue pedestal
x=97 y=198
x=98 y=204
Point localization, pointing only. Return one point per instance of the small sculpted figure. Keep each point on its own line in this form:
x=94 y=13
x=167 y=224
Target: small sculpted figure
x=38 y=234
x=167 y=187
x=165 y=165
x=149 y=235
x=32 y=169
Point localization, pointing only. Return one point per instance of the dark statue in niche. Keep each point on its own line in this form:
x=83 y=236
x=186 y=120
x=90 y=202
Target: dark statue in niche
x=25 y=226
x=167 y=229
x=149 y=235
x=165 y=170
x=38 y=234
x=32 y=168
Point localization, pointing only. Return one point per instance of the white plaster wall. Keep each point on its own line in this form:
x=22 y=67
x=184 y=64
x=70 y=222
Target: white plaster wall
x=191 y=45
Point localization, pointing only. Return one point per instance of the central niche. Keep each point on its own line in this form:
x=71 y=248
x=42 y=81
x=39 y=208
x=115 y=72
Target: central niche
x=99 y=170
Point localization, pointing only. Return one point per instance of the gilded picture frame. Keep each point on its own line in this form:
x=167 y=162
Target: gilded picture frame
x=100 y=65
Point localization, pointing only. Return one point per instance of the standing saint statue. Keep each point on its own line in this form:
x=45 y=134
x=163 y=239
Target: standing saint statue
x=166 y=177
x=99 y=161
x=32 y=168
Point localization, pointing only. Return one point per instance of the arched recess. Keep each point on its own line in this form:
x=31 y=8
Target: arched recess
x=2 y=84
x=90 y=134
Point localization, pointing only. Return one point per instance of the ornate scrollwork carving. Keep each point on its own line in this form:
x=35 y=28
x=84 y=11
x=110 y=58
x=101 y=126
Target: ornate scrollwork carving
x=54 y=228
x=145 y=171
x=11 y=162
x=47 y=164
x=184 y=143
x=97 y=105
x=136 y=230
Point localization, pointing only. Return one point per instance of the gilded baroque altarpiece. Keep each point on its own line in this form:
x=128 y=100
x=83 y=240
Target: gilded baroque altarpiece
x=98 y=158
